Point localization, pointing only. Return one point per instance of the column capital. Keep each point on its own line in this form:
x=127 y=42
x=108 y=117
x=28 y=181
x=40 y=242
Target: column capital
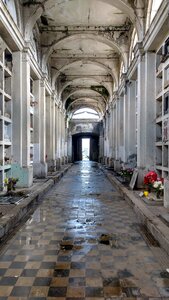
x=115 y=97
x=42 y=82
x=138 y=49
x=26 y=55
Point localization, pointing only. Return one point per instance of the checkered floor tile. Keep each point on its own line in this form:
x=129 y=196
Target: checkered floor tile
x=59 y=253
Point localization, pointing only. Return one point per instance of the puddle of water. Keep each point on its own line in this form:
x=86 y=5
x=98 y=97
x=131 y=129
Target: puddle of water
x=131 y=291
x=112 y=281
x=105 y=239
x=66 y=245
x=164 y=274
x=124 y=273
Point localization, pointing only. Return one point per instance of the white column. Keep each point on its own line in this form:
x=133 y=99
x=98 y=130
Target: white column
x=56 y=132
x=150 y=114
x=39 y=162
x=117 y=128
x=59 y=134
x=21 y=115
x=132 y=118
x=50 y=132
x=37 y=117
x=121 y=128
x=101 y=143
x=104 y=138
x=43 y=129
x=62 y=137
x=58 y=144
x=26 y=110
x=66 y=140
x=114 y=131
x=53 y=130
x=141 y=109
x=17 y=108
x=48 y=128
x=110 y=132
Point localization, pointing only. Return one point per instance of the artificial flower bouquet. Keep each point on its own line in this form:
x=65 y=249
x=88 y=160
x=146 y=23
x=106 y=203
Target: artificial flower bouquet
x=153 y=183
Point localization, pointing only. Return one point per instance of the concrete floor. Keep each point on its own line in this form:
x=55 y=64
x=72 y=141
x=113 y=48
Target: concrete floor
x=83 y=242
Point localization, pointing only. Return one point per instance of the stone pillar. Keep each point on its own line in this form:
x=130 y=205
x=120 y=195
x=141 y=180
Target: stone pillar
x=121 y=125
x=26 y=110
x=56 y=132
x=69 y=143
x=39 y=163
x=141 y=121
x=48 y=128
x=111 y=137
x=37 y=117
x=141 y=114
x=22 y=168
x=117 y=165
x=101 y=143
x=66 y=141
x=104 y=139
x=117 y=117
x=17 y=108
x=132 y=119
x=114 y=131
x=49 y=132
x=58 y=139
x=62 y=138
x=150 y=111
x=53 y=132
x=146 y=115
x=43 y=167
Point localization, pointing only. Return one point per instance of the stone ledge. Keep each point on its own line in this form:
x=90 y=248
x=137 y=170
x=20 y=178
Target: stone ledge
x=10 y=220
x=158 y=229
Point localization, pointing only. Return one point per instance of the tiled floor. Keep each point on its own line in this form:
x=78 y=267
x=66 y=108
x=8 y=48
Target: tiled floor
x=59 y=254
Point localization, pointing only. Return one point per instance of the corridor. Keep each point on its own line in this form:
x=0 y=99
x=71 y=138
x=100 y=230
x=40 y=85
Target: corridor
x=82 y=242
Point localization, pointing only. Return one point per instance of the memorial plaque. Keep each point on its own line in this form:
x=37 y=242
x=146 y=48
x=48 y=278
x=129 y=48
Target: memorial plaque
x=133 y=179
x=166 y=193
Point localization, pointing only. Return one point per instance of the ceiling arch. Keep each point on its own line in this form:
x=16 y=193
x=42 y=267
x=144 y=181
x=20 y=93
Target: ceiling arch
x=89 y=102
x=49 y=4
x=88 y=82
x=83 y=45
x=100 y=38
x=86 y=93
x=81 y=62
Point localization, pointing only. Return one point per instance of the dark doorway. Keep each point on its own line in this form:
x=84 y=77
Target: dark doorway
x=77 y=154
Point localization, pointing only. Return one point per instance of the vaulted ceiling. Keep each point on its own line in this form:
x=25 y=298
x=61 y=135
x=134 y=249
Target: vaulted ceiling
x=84 y=43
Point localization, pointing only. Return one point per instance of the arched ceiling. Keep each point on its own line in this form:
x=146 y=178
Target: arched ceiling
x=85 y=13
x=83 y=43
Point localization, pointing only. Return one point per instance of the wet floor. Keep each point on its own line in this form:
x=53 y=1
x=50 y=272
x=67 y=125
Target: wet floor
x=82 y=242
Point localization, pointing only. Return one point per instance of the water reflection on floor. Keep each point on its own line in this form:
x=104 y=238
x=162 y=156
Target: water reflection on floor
x=82 y=242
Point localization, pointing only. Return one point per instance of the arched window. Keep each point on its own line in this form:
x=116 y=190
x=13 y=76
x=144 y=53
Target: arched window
x=12 y=9
x=85 y=113
x=152 y=10
x=134 y=40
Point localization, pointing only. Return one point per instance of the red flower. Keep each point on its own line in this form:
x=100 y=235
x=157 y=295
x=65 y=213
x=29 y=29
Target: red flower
x=150 y=177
